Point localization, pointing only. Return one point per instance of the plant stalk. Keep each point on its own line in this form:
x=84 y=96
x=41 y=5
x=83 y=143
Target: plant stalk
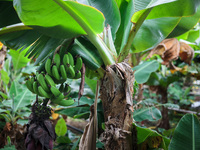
x=125 y=51
x=91 y=35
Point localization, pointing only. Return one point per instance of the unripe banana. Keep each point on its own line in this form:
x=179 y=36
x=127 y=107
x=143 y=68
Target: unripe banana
x=58 y=98
x=49 y=80
x=71 y=71
x=35 y=88
x=63 y=72
x=43 y=92
x=64 y=102
x=65 y=59
x=57 y=60
x=48 y=66
x=55 y=72
x=77 y=74
x=79 y=63
x=29 y=85
x=55 y=91
x=42 y=82
x=71 y=59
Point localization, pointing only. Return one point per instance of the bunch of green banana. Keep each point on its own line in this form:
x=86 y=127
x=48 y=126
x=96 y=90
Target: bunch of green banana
x=60 y=70
x=39 y=84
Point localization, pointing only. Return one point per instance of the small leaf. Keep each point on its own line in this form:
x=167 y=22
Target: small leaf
x=18 y=58
x=4 y=76
x=61 y=127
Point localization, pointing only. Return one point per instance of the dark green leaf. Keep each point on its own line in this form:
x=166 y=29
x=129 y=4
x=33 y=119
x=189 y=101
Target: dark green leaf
x=63 y=139
x=7 y=14
x=72 y=110
x=88 y=52
x=186 y=135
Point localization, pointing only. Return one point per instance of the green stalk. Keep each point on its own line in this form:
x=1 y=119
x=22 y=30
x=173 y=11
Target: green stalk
x=125 y=51
x=91 y=35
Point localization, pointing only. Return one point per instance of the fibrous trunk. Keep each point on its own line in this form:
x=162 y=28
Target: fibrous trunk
x=116 y=95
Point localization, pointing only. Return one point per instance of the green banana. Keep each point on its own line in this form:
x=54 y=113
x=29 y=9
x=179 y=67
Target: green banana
x=63 y=72
x=79 y=63
x=77 y=74
x=58 y=98
x=64 y=102
x=29 y=85
x=55 y=72
x=42 y=82
x=43 y=92
x=55 y=91
x=57 y=60
x=48 y=66
x=71 y=71
x=35 y=88
x=65 y=59
x=71 y=59
x=49 y=80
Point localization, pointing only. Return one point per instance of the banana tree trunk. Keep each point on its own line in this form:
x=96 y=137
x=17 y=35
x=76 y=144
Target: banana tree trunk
x=116 y=94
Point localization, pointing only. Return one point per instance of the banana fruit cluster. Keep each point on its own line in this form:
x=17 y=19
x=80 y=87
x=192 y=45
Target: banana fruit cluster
x=50 y=83
x=60 y=70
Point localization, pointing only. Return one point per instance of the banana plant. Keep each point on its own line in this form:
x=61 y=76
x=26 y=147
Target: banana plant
x=103 y=33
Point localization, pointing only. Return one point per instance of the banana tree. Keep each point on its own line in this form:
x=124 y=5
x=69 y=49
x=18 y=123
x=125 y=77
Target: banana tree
x=103 y=33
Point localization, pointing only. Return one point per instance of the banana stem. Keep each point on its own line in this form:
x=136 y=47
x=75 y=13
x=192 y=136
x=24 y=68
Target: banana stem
x=91 y=35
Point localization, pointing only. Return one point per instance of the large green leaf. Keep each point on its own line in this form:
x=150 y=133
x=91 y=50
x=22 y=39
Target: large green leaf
x=159 y=23
x=21 y=37
x=185 y=24
x=110 y=11
x=18 y=58
x=186 y=135
x=126 y=11
x=152 y=32
x=49 y=18
x=151 y=114
x=144 y=70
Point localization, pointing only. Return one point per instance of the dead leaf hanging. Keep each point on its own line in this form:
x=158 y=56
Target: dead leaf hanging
x=186 y=53
x=168 y=49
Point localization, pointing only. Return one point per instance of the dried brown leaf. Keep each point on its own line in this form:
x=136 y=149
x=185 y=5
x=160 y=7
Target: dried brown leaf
x=186 y=53
x=168 y=49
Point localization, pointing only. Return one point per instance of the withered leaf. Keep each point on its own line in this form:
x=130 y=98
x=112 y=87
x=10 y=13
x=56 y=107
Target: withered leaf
x=50 y=129
x=168 y=49
x=186 y=53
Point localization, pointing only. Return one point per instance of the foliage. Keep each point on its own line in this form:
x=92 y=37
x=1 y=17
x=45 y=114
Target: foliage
x=81 y=29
